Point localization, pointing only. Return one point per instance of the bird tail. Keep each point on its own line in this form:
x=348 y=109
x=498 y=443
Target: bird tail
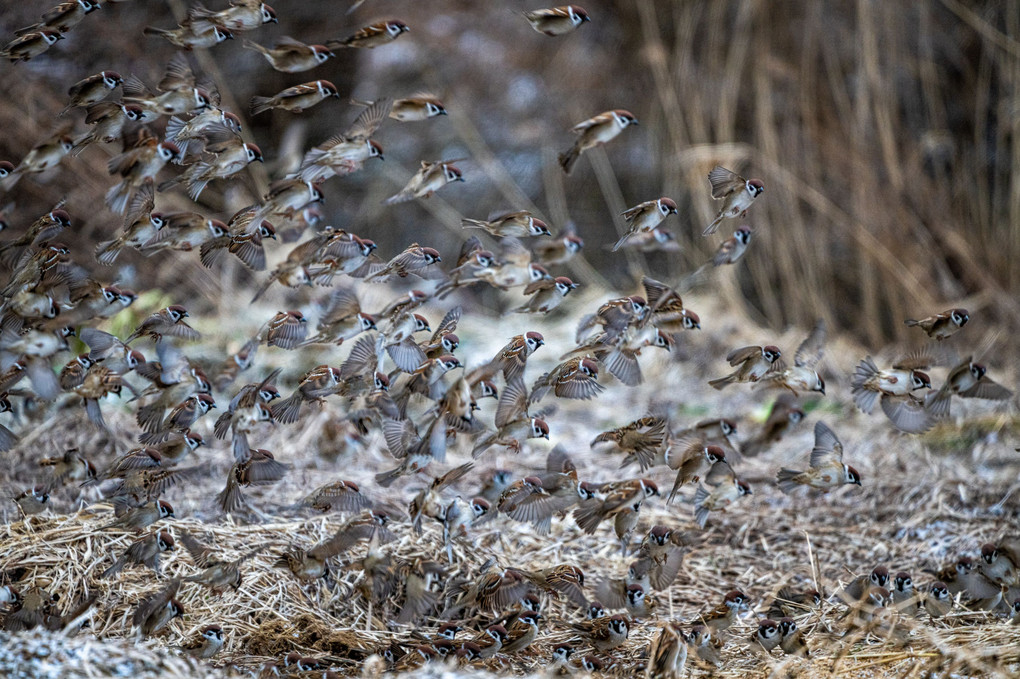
x=287 y=410
x=619 y=243
x=252 y=45
x=569 y=159
x=713 y=226
x=910 y=323
x=864 y=398
x=260 y=104
x=152 y=30
x=386 y=479
x=118 y=196
x=721 y=383
x=786 y=479
x=587 y=515
x=472 y=224
x=231 y=498
x=700 y=510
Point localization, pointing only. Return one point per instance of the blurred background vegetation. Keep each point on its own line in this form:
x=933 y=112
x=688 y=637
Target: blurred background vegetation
x=885 y=134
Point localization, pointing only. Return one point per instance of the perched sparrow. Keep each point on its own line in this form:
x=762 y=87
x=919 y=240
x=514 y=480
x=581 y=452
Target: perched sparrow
x=937 y=600
x=791 y=603
x=295 y=99
x=242 y=15
x=260 y=468
x=192 y=36
x=751 y=363
x=719 y=498
x=521 y=633
x=905 y=599
x=726 y=613
x=168 y=321
x=943 y=325
x=736 y=193
x=157 y=609
x=92 y=89
x=546 y=295
x=667 y=653
x=827 y=468
x=345 y=153
x=432 y=176
x=144 y=551
x=141 y=517
x=793 y=642
x=29 y=45
x=1000 y=563
x=783 y=417
x=517 y=224
x=802 y=376
x=598 y=130
x=292 y=56
x=557 y=20
x=513 y=423
x=896 y=387
x=32 y=501
x=640 y=441
x=967 y=380
x=645 y=217
x=768 y=636
x=858 y=588
x=732 y=249
x=576 y=378
x=217 y=574
x=136 y=167
x=604 y=634
x=206 y=644
x=372 y=36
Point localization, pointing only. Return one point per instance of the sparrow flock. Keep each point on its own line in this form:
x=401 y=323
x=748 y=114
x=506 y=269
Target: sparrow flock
x=408 y=385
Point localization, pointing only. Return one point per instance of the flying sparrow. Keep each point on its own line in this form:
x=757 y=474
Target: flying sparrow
x=179 y=89
x=44 y=156
x=827 y=468
x=205 y=644
x=896 y=387
x=157 y=609
x=415 y=259
x=751 y=363
x=242 y=15
x=341 y=319
x=295 y=99
x=640 y=440
x=517 y=224
x=64 y=16
x=619 y=501
x=196 y=129
x=71 y=466
x=645 y=217
x=576 y=378
x=546 y=295
x=667 y=653
x=137 y=166
x=108 y=120
x=719 y=498
x=229 y=157
x=292 y=56
x=942 y=326
x=557 y=20
x=413 y=109
x=736 y=193
x=167 y=321
x=29 y=45
x=217 y=574
x=513 y=423
x=512 y=358
x=92 y=89
x=785 y=414
x=604 y=634
x=560 y=249
x=694 y=459
x=260 y=468
x=144 y=551
x=432 y=176
x=191 y=35
x=595 y=131
x=311 y=564
x=966 y=380
x=802 y=376
x=372 y=36
x=344 y=153
x=732 y=249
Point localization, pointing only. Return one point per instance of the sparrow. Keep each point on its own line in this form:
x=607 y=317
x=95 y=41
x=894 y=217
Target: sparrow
x=512 y=358
x=768 y=636
x=35 y=500
x=430 y=177
x=341 y=319
x=694 y=459
x=858 y=588
x=645 y=217
x=719 y=498
x=789 y=602
x=413 y=109
x=228 y=158
x=212 y=120
x=559 y=250
x=64 y=16
x=167 y=321
x=896 y=387
x=517 y=224
x=108 y=120
x=44 y=156
x=287 y=330
x=141 y=224
x=620 y=501
x=793 y=642
x=725 y=614
x=260 y=468
x=157 y=609
x=29 y=45
x=246 y=246
x=576 y=378
x=92 y=89
x=736 y=193
x=415 y=259
x=640 y=440
x=286 y=198
x=546 y=295
x=966 y=380
x=521 y=633
x=190 y=35
x=784 y=415
x=346 y=152
x=802 y=377
x=937 y=600
x=144 y=551
x=217 y=574
x=146 y=485
x=604 y=634
x=827 y=468
x=205 y=644
x=557 y=20
x=295 y=99
x=941 y=326
x=1000 y=562
x=8 y=439
x=137 y=166
x=242 y=15
x=179 y=89
x=905 y=599
x=513 y=423
x=595 y=131
x=99 y=382
x=372 y=36
x=71 y=466
x=315 y=385
x=311 y=564
x=292 y=56
x=341 y=495
x=667 y=653
x=564 y=579
x=732 y=249
x=752 y=363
